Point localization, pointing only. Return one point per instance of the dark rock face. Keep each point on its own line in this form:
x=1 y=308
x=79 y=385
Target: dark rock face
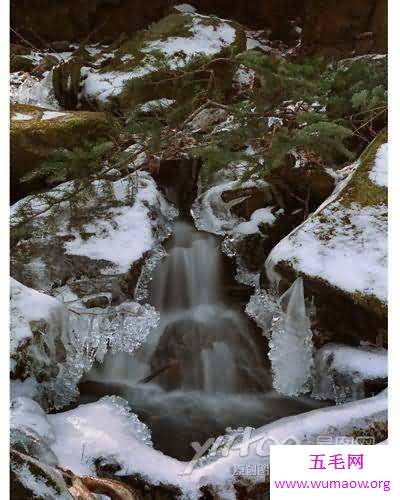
x=337 y=25
x=342 y=26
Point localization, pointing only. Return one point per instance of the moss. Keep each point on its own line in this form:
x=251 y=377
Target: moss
x=361 y=189
x=32 y=141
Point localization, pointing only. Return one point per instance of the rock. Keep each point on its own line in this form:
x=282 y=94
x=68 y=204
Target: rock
x=335 y=27
x=31 y=478
x=108 y=232
x=36 y=333
x=67 y=81
x=344 y=373
x=101 y=301
x=168 y=61
x=301 y=182
x=350 y=292
x=204 y=120
x=178 y=180
x=36 y=133
x=20 y=63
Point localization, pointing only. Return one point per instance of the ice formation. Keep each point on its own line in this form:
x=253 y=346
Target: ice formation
x=291 y=346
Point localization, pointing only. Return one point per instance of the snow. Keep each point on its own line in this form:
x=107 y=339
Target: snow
x=330 y=248
x=21 y=117
x=329 y=243
x=205 y=40
x=107 y=429
x=243 y=78
x=260 y=216
x=185 y=8
x=256 y=39
x=102 y=86
x=126 y=234
x=212 y=214
x=274 y=121
x=379 y=171
x=29 y=305
x=35 y=91
x=156 y=104
x=370 y=363
x=27 y=415
x=50 y=115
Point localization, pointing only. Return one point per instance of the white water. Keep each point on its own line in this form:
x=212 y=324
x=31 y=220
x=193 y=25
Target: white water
x=202 y=369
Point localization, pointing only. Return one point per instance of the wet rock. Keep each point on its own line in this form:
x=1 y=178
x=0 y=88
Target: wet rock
x=178 y=180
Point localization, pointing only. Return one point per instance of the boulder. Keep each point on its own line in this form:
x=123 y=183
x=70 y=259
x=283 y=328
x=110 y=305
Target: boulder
x=170 y=60
x=341 y=253
x=37 y=132
x=343 y=373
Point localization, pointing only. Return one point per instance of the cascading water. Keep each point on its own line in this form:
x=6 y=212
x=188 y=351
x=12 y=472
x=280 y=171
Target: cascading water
x=201 y=370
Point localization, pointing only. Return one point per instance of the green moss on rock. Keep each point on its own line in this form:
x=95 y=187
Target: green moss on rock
x=33 y=140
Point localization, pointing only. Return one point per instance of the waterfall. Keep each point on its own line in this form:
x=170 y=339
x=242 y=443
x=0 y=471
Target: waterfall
x=291 y=346
x=202 y=369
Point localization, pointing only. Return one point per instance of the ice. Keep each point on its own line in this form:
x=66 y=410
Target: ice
x=341 y=371
x=86 y=335
x=290 y=344
x=262 y=307
x=90 y=334
x=379 y=170
x=212 y=214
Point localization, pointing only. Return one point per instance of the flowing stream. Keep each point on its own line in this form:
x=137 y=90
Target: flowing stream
x=205 y=367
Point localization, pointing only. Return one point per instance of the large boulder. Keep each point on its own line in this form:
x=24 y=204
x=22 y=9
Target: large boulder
x=37 y=132
x=341 y=252
x=169 y=60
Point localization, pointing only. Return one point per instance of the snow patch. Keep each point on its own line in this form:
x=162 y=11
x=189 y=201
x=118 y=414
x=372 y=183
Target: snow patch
x=379 y=171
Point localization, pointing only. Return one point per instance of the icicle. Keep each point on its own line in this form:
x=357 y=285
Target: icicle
x=291 y=347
